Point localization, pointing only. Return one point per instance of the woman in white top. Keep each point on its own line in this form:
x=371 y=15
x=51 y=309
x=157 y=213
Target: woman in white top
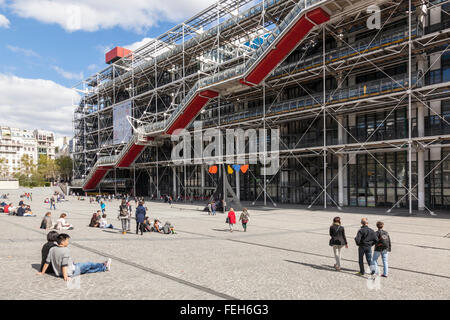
x=61 y=223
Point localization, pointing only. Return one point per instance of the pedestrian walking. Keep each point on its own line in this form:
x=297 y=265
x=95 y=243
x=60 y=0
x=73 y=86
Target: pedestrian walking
x=103 y=207
x=130 y=210
x=231 y=219
x=140 y=217
x=245 y=216
x=365 y=240
x=382 y=248
x=52 y=203
x=123 y=216
x=213 y=208
x=338 y=240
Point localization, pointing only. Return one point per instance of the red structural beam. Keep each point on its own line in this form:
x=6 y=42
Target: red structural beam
x=285 y=46
x=98 y=175
x=130 y=156
x=192 y=110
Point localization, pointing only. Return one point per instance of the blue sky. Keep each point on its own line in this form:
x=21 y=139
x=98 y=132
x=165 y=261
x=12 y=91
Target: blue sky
x=47 y=46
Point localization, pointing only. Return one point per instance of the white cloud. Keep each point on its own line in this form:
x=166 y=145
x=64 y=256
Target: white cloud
x=68 y=75
x=4 y=22
x=36 y=104
x=88 y=15
x=137 y=45
x=27 y=52
x=92 y=67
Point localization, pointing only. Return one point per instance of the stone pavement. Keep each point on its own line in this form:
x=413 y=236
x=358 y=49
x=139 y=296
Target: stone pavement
x=284 y=255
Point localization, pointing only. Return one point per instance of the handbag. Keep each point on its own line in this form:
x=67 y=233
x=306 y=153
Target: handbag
x=227 y=220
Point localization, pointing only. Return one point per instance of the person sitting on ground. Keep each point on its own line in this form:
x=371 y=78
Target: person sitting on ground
x=51 y=242
x=104 y=223
x=156 y=226
x=147 y=225
x=61 y=223
x=12 y=210
x=6 y=208
x=63 y=265
x=95 y=220
x=28 y=212
x=47 y=222
x=21 y=210
x=168 y=228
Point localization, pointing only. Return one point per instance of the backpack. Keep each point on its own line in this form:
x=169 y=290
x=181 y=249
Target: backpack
x=383 y=240
x=123 y=211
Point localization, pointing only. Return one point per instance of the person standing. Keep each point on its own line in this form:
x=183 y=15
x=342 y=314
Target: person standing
x=231 y=219
x=244 y=218
x=213 y=208
x=52 y=203
x=103 y=207
x=382 y=248
x=365 y=239
x=337 y=241
x=130 y=211
x=123 y=216
x=140 y=217
x=224 y=205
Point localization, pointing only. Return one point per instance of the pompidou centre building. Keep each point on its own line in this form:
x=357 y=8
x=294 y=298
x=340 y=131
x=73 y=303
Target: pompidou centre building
x=357 y=91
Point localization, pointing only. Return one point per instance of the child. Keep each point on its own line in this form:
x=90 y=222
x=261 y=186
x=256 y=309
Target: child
x=62 y=263
x=104 y=224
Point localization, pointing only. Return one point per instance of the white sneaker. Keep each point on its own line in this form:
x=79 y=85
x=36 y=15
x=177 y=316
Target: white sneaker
x=108 y=265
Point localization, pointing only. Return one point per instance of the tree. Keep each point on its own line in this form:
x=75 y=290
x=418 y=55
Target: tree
x=4 y=171
x=28 y=175
x=47 y=168
x=65 y=167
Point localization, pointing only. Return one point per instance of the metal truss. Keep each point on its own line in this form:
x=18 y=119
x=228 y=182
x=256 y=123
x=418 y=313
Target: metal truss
x=156 y=87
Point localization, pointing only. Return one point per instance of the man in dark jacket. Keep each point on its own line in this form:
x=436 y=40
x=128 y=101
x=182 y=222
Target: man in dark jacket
x=365 y=239
x=140 y=217
x=21 y=211
x=382 y=248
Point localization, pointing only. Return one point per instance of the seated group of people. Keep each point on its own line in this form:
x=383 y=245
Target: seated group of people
x=22 y=210
x=157 y=226
x=98 y=220
x=56 y=259
x=61 y=223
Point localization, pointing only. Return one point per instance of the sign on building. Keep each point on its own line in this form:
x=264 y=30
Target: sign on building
x=122 y=127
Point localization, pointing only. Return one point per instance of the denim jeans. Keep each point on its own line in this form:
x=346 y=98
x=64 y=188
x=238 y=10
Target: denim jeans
x=88 y=267
x=384 y=256
x=365 y=251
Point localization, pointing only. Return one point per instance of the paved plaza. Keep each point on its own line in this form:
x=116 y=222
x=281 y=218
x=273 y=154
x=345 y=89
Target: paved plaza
x=284 y=255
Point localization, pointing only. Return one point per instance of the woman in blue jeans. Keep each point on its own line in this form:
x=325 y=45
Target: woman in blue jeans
x=382 y=248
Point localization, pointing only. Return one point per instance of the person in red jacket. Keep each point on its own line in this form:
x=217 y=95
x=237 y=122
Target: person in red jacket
x=231 y=219
x=6 y=209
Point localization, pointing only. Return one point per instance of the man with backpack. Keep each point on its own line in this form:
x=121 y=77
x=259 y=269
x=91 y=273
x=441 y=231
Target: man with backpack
x=382 y=247
x=365 y=239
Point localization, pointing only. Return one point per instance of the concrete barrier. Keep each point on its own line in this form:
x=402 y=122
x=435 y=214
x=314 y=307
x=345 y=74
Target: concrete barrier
x=9 y=184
